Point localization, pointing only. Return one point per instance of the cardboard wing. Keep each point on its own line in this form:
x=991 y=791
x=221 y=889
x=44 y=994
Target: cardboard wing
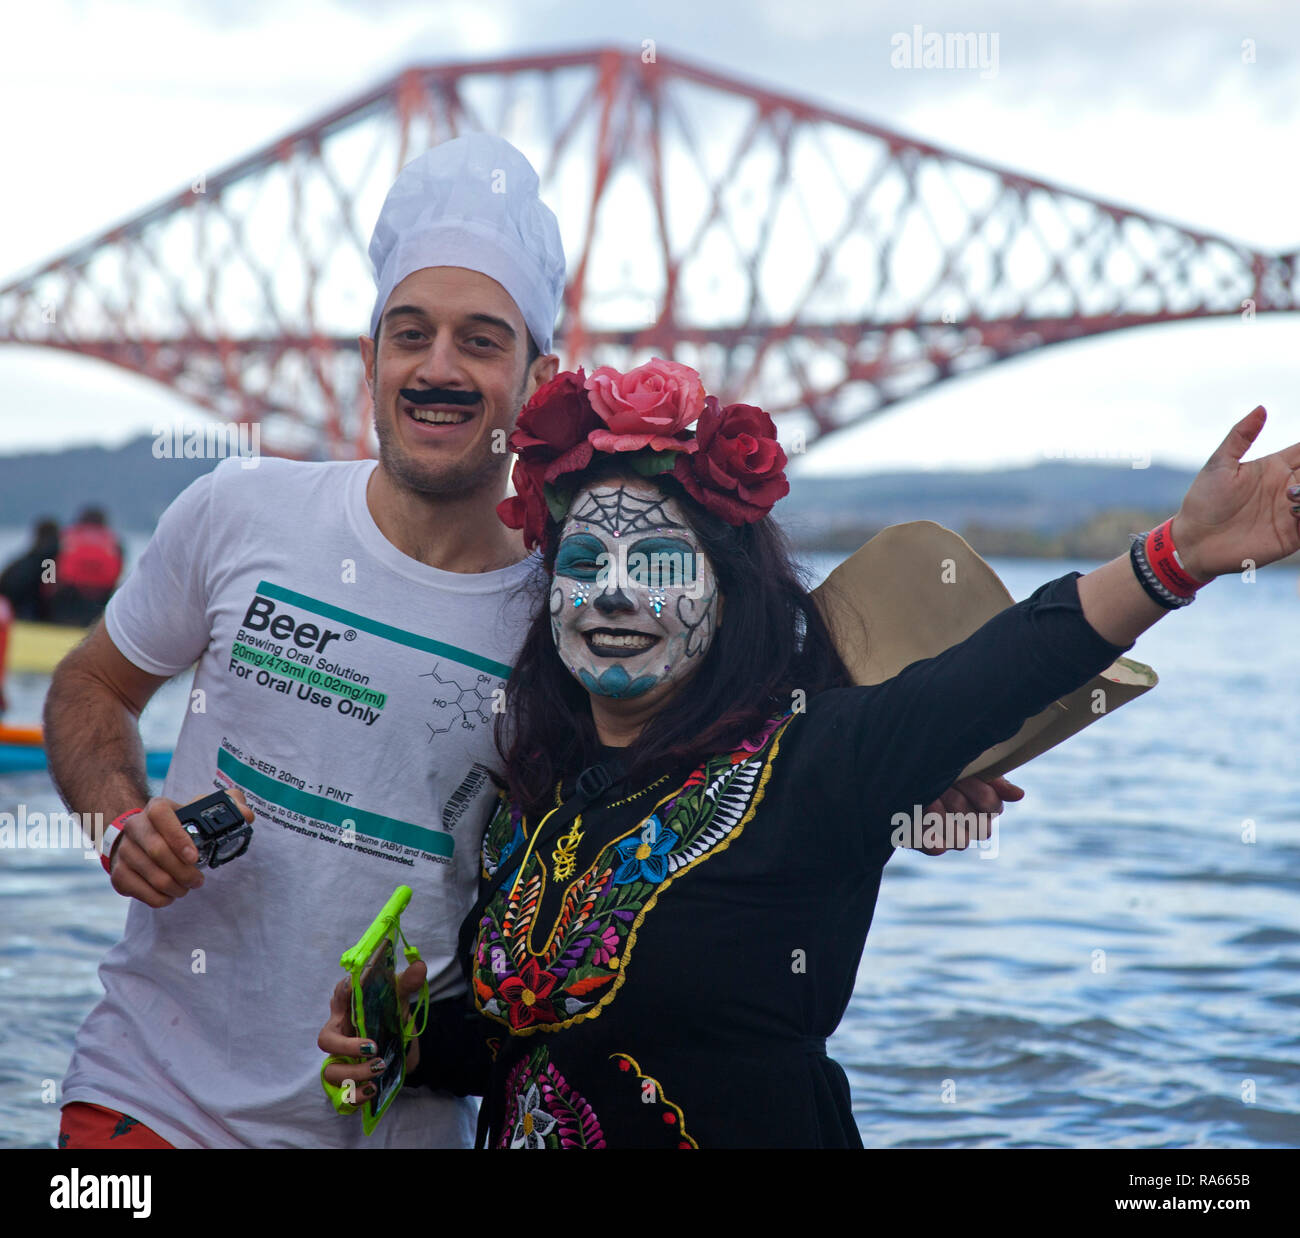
x=917 y=589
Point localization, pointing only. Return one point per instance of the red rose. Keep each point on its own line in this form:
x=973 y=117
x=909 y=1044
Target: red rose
x=552 y=429
x=526 y=508
x=738 y=468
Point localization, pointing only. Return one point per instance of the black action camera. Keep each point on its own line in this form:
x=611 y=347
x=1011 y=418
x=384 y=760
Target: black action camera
x=218 y=829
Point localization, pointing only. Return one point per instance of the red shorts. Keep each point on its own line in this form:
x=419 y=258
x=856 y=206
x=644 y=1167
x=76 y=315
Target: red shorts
x=93 y=1126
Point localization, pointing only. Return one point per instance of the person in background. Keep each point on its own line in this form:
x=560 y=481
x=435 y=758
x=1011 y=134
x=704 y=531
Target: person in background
x=86 y=571
x=22 y=580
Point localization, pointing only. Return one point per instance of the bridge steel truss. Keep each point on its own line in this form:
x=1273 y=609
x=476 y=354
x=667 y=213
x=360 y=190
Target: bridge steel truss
x=801 y=258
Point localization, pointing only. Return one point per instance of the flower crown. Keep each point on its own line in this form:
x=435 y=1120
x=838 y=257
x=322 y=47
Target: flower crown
x=731 y=463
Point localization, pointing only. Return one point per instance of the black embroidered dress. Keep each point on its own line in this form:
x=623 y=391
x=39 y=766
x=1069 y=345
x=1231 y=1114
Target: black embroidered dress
x=675 y=987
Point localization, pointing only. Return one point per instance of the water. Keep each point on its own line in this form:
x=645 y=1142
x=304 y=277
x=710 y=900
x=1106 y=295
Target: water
x=982 y=1015
x=1125 y=972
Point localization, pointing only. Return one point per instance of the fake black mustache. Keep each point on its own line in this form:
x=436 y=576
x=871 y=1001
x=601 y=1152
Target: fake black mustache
x=434 y=395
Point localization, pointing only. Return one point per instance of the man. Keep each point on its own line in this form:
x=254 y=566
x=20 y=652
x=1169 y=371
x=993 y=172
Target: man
x=351 y=623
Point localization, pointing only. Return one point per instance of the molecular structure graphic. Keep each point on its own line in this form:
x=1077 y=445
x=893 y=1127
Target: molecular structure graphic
x=474 y=704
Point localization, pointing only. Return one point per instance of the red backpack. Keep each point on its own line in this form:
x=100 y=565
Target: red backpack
x=89 y=559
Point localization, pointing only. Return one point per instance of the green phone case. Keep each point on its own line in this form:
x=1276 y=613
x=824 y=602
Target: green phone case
x=387 y=924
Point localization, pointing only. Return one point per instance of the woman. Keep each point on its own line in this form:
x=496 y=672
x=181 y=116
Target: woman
x=658 y=962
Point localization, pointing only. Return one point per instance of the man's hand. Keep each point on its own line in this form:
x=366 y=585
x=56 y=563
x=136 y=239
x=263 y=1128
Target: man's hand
x=984 y=797
x=154 y=859
x=357 y=1063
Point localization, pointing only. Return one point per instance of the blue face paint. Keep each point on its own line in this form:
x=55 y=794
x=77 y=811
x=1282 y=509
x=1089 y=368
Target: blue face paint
x=616 y=682
x=658 y=562
x=579 y=557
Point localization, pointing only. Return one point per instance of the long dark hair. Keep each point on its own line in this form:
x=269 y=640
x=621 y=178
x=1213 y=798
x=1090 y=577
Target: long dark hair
x=771 y=643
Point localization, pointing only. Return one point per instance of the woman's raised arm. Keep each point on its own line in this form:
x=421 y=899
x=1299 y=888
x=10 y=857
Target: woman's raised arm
x=907 y=738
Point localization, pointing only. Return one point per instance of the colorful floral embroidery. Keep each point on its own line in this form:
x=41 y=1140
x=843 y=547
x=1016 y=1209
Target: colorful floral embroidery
x=528 y=995
x=534 y=1123
x=607 y=946
x=495 y=856
x=530 y=985
x=645 y=860
x=755 y=744
x=545 y=1110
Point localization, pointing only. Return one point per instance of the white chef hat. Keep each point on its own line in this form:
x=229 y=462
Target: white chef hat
x=472 y=202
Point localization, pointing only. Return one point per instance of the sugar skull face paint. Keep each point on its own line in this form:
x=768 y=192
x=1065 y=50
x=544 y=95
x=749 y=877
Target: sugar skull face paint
x=634 y=602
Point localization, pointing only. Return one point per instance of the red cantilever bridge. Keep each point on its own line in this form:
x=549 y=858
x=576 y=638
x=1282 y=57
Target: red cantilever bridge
x=800 y=258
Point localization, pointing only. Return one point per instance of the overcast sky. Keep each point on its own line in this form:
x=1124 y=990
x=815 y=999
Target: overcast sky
x=110 y=106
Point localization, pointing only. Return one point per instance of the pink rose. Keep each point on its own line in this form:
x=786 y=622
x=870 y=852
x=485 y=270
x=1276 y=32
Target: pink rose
x=649 y=406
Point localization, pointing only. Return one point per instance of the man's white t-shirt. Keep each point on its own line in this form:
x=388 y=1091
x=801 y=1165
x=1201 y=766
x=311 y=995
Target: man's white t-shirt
x=349 y=691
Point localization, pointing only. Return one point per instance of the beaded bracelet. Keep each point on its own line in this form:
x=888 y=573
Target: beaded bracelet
x=1147 y=578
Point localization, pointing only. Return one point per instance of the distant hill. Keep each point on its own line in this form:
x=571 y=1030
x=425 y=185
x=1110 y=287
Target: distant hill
x=1045 y=500
x=128 y=482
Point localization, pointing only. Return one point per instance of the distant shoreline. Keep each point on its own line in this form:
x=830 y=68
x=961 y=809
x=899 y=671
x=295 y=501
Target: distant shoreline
x=1100 y=538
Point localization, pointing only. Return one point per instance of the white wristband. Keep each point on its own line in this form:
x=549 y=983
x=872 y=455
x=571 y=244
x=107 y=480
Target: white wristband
x=112 y=833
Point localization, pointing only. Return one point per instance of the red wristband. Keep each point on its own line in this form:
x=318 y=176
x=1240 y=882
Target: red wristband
x=111 y=840
x=1166 y=564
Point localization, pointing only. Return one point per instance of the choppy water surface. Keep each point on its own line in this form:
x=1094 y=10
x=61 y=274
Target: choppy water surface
x=1125 y=972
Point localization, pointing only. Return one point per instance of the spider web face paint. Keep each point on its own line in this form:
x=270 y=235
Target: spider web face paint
x=619 y=511
x=658 y=624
